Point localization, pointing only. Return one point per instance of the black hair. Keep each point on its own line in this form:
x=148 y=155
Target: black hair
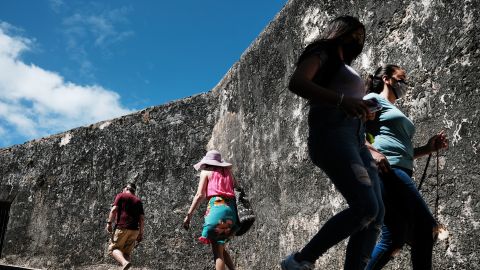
x=131 y=187
x=374 y=83
x=342 y=26
x=335 y=31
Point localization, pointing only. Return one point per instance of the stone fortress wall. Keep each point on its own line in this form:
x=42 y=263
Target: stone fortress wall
x=64 y=184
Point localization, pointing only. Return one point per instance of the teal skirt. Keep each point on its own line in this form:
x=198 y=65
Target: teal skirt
x=221 y=220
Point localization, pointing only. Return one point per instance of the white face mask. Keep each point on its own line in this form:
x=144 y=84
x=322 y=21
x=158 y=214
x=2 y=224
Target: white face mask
x=400 y=88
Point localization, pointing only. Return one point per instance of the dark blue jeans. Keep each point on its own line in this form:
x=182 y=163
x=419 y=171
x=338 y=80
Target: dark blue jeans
x=407 y=220
x=337 y=145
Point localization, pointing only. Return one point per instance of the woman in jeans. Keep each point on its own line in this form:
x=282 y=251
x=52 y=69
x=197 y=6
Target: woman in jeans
x=337 y=143
x=216 y=184
x=407 y=217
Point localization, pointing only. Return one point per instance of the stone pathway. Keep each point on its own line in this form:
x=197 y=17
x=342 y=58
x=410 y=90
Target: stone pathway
x=85 y=267
x=13 y=267
x=108 y=267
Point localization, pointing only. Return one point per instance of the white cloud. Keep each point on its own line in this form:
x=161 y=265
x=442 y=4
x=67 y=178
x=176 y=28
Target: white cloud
x=36 y=102
x=99 y=29
x=12 y=47
x=56 y=5
x=103 y=26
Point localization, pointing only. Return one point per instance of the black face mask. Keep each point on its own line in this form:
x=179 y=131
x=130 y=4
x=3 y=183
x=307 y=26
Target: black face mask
x=351 y=51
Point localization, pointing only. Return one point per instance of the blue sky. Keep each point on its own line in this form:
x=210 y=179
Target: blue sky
x=70 y=63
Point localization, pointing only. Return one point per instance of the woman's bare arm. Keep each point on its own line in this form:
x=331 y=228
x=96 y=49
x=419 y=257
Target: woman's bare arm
x=380 y=159
x=301 y=83
x=199 y=197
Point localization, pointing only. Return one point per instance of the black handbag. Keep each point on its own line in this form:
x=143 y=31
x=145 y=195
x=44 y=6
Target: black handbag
x=245 y=214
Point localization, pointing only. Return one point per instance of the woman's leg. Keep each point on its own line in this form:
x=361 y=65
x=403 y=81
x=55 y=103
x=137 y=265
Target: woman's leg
x=385 y=250
x=421 y=250
x=336 y=145
x=395 y=228
x=347 y=171
x=422 y=222
x=228 y=259
x=218 y=258
x=362 y=242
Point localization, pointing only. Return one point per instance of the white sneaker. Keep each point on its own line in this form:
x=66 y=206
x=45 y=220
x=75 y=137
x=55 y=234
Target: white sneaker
x=289 y=263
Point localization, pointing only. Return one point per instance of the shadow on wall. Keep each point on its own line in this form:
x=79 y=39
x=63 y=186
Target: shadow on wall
x=7 y=195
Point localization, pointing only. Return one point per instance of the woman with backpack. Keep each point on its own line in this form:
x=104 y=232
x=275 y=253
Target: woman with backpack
x=217 y=186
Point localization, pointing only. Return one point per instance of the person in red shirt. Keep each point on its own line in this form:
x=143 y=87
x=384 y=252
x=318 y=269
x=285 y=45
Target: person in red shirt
x=127 y=213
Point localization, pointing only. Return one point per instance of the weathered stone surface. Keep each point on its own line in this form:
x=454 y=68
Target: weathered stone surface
x=66 y=182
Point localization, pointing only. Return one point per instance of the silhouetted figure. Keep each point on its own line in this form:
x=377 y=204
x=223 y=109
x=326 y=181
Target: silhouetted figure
x=336 y=143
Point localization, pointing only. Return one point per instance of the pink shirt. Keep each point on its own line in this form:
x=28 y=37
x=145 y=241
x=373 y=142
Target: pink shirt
x=220 y=183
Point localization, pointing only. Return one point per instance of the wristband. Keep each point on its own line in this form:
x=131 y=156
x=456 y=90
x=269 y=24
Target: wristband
x=109 y=222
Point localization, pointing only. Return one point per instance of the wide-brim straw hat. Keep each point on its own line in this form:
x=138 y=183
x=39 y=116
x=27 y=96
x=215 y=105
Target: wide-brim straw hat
x=214 y=158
